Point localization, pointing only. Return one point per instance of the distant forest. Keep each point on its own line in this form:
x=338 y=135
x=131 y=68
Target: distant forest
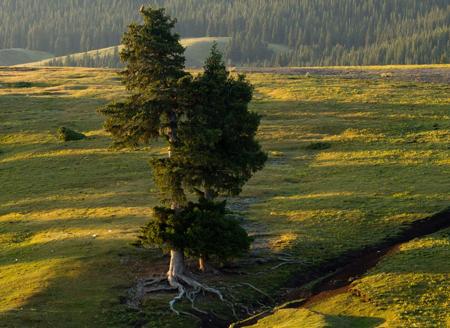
x=311 y=32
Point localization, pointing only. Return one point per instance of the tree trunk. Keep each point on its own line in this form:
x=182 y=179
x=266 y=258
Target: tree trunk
x=202 y=264
x=176 y=266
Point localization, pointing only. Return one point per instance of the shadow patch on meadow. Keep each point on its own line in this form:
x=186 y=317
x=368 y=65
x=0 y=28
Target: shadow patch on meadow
x=346 y=321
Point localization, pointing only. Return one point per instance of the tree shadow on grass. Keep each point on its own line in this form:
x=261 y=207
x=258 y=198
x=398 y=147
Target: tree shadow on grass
x=307 y=318
x=344 y=321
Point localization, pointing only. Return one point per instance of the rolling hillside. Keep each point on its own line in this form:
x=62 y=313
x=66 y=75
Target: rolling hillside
x=9 y=57
x=197 y=49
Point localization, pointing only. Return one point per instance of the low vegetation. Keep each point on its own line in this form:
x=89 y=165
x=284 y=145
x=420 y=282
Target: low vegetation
x=66 y=134
x=69 y=211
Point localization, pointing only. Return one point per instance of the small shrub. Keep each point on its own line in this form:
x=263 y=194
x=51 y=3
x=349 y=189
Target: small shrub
x=318 y=146
x=66 y=134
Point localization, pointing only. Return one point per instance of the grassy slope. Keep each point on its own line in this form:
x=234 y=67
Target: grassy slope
x=68 y=211
x=10 y=57
x=197 y=49
x=410 y=288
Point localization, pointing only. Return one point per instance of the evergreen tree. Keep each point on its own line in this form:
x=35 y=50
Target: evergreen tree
x=154 y=78
x=218 y=148
x=216 y=154
x=212 y=146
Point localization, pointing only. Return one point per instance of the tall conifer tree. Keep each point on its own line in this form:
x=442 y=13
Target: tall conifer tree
x=154 y=77
x=212 y=148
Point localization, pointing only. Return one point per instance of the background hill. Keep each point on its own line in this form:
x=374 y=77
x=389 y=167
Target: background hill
x=197 y=49
x=310 y=32
x=10 y=57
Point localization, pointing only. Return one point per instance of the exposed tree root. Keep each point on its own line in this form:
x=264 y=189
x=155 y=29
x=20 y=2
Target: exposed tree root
x=257 y=289
x=187 y=287
x=285 y=261
x=282 y=258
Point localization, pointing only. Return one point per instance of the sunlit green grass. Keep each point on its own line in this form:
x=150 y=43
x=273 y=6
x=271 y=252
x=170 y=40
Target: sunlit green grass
x=68 y=211
x=414 y=283
x=409 y=288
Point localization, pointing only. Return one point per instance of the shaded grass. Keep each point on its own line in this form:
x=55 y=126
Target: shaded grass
x=288 y=318
x=69 y=211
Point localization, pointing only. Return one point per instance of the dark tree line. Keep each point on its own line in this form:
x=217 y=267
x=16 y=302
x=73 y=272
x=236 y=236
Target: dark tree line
x=317 y=32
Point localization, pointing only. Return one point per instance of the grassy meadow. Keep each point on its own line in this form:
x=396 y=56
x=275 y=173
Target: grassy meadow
x=351 y=161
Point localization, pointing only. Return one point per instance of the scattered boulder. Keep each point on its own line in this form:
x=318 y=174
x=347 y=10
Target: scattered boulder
x=66 y=134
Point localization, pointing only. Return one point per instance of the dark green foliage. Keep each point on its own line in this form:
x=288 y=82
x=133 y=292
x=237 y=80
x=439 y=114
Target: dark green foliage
x=153 y=53
x=218 y=150
x=66 y=134
x=214 y=234
x=208 y=128
x=153 y=76
x=318 y=146
x=168 y=176
x=201 y=229
x=167 y=230
x=314 y=32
